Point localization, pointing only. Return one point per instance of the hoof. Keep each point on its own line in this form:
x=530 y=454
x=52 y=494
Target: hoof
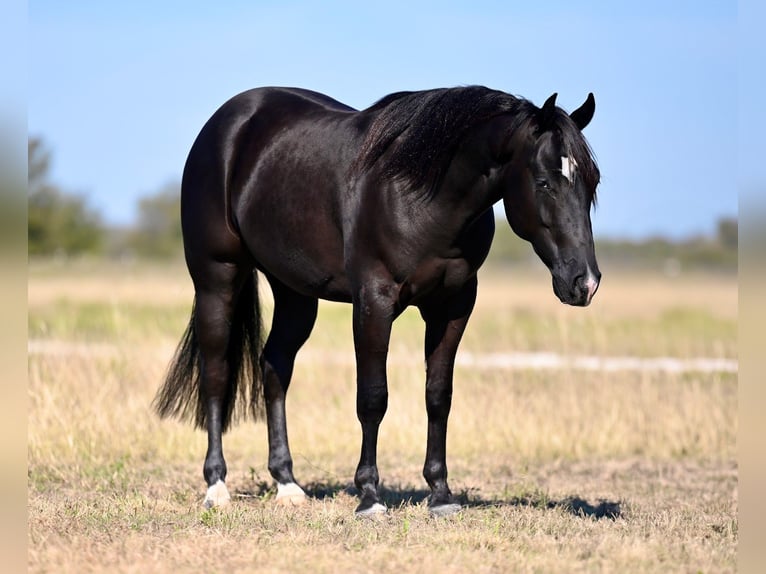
x=217 y=495
x=444 y=509
x=290 y=494
x=374 y=511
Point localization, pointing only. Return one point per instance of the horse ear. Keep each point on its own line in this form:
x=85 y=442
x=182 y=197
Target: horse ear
x=547 y=112
x=584 y=114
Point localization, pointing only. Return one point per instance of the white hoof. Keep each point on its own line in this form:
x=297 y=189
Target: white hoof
x=373 y=511
x=217 y=495
x=290 y=494
x=444 y=509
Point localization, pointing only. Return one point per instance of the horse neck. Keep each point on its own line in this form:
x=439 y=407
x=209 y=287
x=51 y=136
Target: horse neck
x=479 y=171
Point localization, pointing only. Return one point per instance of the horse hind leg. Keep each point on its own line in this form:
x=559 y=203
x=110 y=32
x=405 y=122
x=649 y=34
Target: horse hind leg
x=294 y=317
x=226 y=303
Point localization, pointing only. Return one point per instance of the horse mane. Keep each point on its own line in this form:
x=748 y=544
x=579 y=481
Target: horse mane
x=419 y=132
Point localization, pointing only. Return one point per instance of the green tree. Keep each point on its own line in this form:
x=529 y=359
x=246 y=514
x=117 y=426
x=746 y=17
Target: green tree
x=728 y=232
x=58 y=222
x=158 y=231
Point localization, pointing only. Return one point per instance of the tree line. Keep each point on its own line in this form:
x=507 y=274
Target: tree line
x=63 y=223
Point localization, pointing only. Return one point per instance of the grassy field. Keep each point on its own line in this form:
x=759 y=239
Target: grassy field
x=559 y=470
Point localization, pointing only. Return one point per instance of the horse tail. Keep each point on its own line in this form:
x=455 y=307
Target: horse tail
x=182 y=395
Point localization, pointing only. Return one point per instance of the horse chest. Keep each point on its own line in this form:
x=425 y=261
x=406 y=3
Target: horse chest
x=435 y=278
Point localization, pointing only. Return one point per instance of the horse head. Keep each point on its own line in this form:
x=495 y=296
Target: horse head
x=548 y=193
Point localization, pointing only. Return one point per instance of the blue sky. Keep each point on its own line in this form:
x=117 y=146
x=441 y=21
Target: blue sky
x=119 y=90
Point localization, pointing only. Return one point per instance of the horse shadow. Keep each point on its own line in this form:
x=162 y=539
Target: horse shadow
x=400 y=496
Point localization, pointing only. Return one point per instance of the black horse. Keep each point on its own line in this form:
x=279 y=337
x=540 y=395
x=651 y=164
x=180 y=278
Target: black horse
x=383 y=208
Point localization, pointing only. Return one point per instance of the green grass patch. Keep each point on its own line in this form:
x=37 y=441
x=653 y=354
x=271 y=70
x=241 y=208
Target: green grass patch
x=101 y=321
x=681 y=332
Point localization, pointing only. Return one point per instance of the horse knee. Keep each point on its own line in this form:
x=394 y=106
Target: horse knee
x=371 y=404
x=438 y=401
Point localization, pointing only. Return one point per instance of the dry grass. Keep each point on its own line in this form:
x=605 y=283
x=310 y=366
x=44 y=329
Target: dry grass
x=559 y=471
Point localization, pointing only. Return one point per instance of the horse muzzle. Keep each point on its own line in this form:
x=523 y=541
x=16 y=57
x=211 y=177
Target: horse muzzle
x=579 y=291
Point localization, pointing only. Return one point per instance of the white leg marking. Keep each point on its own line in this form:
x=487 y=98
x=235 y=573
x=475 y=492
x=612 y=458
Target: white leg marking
x=376 y=509
x=217 y=495
x=290 y=494
x=445 y=509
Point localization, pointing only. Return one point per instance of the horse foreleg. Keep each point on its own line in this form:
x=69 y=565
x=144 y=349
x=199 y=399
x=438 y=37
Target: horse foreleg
x=373 y=315
x=445 y=324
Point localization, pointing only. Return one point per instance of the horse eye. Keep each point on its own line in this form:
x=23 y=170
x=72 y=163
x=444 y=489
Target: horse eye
x=543 y=184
